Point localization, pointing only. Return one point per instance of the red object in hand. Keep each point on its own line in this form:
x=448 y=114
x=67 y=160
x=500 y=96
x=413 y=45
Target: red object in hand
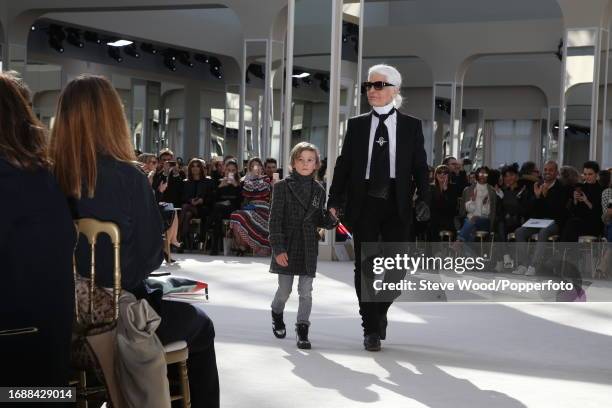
x=343 y=230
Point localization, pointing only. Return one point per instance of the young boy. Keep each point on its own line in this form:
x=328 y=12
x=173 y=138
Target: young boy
x=298 y=208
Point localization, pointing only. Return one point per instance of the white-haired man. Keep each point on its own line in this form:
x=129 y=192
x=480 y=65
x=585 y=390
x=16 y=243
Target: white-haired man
x=382 y=161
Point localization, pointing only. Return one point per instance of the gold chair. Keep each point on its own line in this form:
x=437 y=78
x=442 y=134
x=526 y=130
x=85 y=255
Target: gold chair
x=481 y=236
x=446 y=235
x=194 y=224
x=19 y=332
x=94 y=330
x=176 y=353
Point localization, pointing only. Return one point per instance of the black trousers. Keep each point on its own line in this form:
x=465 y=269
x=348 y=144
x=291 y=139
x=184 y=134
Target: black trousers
x=379 y=220
x=183 y=321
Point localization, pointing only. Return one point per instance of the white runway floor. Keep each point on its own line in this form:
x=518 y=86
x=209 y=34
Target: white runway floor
x=436 y=355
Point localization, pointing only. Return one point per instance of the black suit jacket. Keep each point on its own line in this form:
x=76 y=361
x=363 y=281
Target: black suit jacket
x=348 y=189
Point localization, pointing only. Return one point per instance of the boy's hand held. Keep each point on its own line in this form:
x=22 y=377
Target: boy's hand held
x=282 y=259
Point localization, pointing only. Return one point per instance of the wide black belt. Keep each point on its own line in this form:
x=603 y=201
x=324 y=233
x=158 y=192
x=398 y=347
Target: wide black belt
x=384 y=192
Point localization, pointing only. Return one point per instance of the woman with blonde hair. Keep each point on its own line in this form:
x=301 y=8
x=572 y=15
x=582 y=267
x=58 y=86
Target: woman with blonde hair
x=36 y=241
x=94 y=164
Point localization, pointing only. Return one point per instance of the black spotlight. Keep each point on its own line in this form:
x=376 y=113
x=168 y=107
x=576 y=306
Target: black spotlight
x=184 y=59
x=115 y=53
x=201 y=58
x=132 y=51
x=148 y=47
x=215 y=67
x=74 y=37
x=170 y=62
x=56 y=37
x=92 y=37
x=33 y=28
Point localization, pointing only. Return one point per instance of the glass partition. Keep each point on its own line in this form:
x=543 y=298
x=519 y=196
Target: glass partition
x=471 y=136
x=231 y=117
x=442 y=137
x=311 y=65
x=578 y=95
x=139 y=106
x=255 y=82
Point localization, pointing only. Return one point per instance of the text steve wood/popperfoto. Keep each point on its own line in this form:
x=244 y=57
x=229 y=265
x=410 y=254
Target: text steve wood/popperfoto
x=413 y=264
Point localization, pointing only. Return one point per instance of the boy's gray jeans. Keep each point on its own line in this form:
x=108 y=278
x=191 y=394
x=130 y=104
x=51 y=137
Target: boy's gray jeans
x=285 y=284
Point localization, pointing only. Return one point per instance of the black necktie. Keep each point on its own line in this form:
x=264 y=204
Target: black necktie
x=379 y=163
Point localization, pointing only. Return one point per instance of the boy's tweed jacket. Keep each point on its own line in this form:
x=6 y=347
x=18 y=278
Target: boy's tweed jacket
x=294 y=219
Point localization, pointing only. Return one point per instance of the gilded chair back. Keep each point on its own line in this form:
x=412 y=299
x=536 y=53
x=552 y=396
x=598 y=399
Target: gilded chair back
x=91 y=229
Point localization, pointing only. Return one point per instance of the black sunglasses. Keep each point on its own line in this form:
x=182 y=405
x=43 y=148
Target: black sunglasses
x=378 y=85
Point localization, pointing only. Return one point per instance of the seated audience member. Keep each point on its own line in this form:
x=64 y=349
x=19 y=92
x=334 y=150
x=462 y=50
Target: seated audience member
x=37 y=238
x=457 y=176
x=515 y=201
x=168 y=185
x=603 y=178
x=245 y=168
x=148 y=165
x=217 y=170
x=270 y=167
x=471 y=179
x=529 y=175
x=322 y=172
x=227 y=200
x=585 y=206
x=549 y=201
x=198 y=195
x=603 y=268
x=496 y=181
x=250 y=224
x=103 y=182
x=171 y=174
x=443 y=207
x=479 y=207
x=569 y=176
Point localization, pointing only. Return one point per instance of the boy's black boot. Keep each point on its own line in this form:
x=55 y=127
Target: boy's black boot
x=301 y=331
x=278 y=326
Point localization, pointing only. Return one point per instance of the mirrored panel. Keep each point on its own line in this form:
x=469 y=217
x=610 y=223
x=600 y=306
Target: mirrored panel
x=277 y=81
x=607 y=134
x=172 y=118
x=154 y=115
x=602 y=125
x=442 y=137
x=472 y=136
x=578 y=86
x=311 y=65
x=350 y=89
x=139 y=107
x=232 y=118
x=255 y=80
x=552 y=152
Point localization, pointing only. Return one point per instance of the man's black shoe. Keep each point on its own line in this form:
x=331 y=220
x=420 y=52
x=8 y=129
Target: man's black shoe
x=278 y=326
x=383 y=327
x=371 y=342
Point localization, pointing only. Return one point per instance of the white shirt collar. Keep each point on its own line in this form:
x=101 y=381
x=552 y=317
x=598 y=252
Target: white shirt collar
x=383 y=110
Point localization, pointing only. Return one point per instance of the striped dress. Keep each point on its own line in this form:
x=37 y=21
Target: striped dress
x=250 y=224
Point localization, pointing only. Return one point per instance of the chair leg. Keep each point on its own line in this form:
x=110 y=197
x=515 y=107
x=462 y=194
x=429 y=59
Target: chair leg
x=81 y=390
x=184 y=384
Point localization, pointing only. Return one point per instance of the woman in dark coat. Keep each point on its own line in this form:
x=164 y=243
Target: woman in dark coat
x=37 y=238
x=198 y=195
x=298 y=209
x=227 y=200
x=443 y=204
x=93 y=162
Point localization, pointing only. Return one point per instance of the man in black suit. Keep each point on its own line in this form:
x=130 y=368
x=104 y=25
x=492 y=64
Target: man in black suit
x=382 y=161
